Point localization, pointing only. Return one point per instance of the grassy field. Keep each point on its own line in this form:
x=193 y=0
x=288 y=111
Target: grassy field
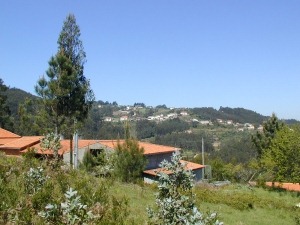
x=235 y=204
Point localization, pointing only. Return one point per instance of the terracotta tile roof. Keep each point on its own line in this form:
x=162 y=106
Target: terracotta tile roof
x=110 y=143
x=191 y=165
x=6 y=140
x=7 y=134
x=286 y=186
x=149 y=149
x=154 y=172
x=21 y=143
x=65 y=146
x=188 y=165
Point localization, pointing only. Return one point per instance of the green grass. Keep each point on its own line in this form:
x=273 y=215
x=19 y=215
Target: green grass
x=231 y=203
x=139 y=198
x=259 y=216
x=236 y=204
x=239 y=205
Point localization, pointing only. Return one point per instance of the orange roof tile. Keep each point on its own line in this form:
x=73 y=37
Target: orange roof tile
x=65 y=147
x=286 y=186
x=188 y=166
x=7 y=134
x=21 y=143
x=6 y=140
x=149 y=149
x=154 y=172
x=191 y=165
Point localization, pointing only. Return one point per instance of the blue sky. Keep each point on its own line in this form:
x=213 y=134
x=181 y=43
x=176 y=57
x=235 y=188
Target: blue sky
x=187 y=53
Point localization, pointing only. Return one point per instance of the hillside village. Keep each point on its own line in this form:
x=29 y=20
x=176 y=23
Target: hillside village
x=133 y=113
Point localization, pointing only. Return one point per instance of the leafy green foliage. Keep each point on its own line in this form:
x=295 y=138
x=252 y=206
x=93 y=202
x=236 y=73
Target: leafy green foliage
x=239 y=115
x=32 y=118
x=262 y=140
x=236 y=149
x=88 y=161
x=34 y=180
x=242 y=115
x=283 y=155
x=51 y=142
x=169 y=126
x=15 y=97
x=239 y=197
x=148 y=129
x=24 y=195
x=111 y=131
x=93 y=123
x=100 y=164
x=72 y=211
x=175 y=199
x=124 y=203
x=5 y=119
x=129 y=160
x=188 y=141
x=297 y=216
x=145 y=129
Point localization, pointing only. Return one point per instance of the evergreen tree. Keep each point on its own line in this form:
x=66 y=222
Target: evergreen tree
x=130 y=161
x=5 y=119
x=262 y=140
x=66 y=92
x=283 y=156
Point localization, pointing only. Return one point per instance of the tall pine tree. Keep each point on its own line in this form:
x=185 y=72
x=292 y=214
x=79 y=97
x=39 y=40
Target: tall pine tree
x=65 y=91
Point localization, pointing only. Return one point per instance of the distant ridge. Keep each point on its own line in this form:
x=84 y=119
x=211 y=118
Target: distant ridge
x=15 y=96
x=238 y=115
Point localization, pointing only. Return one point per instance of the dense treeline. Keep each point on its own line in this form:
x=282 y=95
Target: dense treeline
x=239 y=115
x=237 y=149
x=169 y=126
x=146 y=129
x=187 y=141
x=5 y=118
x=15 y=97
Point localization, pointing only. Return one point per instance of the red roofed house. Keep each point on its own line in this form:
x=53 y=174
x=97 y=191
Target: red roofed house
x=13 y=144
x=155 y=154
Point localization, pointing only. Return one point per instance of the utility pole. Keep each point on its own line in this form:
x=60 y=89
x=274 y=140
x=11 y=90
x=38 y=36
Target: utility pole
x=202 y=159
x=75 y=138
x=75 y=150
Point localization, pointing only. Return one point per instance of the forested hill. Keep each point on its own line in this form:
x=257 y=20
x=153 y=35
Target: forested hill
x=239 y=115
x=16 y=96
x=242 y=115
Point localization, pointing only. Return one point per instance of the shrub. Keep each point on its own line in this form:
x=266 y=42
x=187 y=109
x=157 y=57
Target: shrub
x=130 y=161
x=99 y=165
x=72 y=211
x=34 y=180
x=175 y=199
